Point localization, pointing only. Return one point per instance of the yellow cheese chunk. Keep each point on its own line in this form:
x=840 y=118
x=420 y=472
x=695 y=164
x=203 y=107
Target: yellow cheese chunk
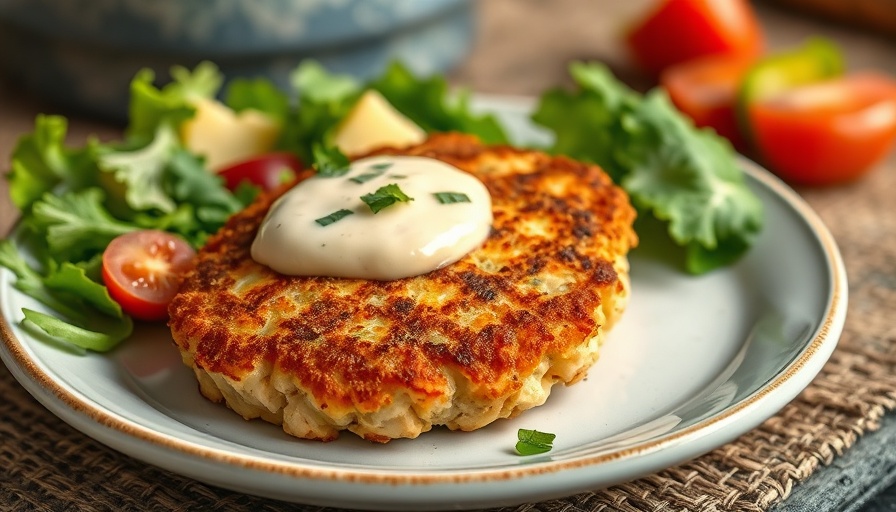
x=373 y=122
x=224 y=136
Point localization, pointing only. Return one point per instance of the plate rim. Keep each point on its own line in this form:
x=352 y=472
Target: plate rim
x=63 y=402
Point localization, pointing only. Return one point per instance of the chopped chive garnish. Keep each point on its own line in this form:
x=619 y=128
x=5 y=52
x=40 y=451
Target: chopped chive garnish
x=329 y=162
x=385 y=196
x=376 y=171
x=533 y=442
x=451 y=197
x=398 y=176
x=333 y=217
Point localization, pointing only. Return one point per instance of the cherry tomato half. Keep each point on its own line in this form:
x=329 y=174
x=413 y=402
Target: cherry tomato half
x=266 y=171
x=143 y=269
x=706 y=89
x=680 y=30
x=829 y=132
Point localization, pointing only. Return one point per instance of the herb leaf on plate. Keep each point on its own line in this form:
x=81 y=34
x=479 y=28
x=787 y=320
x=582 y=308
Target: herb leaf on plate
x=685 y=177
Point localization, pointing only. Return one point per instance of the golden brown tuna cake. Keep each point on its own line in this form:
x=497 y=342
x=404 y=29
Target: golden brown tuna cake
x=481 y=339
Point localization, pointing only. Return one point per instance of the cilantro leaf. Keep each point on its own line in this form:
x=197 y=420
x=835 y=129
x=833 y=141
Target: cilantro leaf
x=384 y=197
x=533 y=442
x=76 y=224
x=329 y=162
x=685 y=177
x=334 y=217
x=451 y=197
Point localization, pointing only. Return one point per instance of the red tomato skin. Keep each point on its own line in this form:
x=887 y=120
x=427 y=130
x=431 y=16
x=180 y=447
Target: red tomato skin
x=680 y=30
x=137 y=308
x=174 y=258
x=705 y=89
x=264 y=171
x=832 y=143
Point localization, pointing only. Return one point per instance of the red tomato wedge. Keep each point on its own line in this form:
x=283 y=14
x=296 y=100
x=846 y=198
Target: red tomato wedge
x=706 y=89
x=829 y=132
x=679 y=30
x=266 y=171
x=143 y=269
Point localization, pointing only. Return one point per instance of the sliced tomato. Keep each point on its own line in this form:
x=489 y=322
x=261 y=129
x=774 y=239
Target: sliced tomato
x=705 y=89
x=679 y=30
x=143 y=270
x=828 y=132
x=266 y=171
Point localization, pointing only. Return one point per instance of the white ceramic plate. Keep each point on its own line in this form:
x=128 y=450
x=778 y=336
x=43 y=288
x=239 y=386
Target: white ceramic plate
x=694 y=363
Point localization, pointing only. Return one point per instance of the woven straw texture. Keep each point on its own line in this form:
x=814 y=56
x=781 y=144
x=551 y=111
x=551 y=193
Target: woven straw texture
x=49 y=466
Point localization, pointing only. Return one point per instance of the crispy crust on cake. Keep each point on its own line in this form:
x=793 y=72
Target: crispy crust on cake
x=481 y=339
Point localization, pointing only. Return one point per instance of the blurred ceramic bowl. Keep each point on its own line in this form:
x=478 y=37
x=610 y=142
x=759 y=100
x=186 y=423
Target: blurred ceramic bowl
x=82 y=54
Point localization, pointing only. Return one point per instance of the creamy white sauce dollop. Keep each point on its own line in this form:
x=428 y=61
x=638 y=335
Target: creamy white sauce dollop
x=402 y=240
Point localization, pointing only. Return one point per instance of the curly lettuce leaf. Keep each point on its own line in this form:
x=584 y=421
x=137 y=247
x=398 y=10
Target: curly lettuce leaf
x=76 y=224
x=683 y=176
x=41 y=161
x=429 y=103
x=257 y=94
x=325 y=99
x=142 y=171
x=151 y=106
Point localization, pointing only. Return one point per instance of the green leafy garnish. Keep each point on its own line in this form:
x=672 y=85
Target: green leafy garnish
x=74 y=201
x=151 y=107
x=428 y=102
x=333 y=217
x=385 y=196
x=533 y=442
x=451 y=197
x=40 y=162
x=257 y=94
x=142 y=171
x=76 y=225
x=326 y=98
x=329 y=162
x=99 y=341
x=375 y=172
x=683 y=176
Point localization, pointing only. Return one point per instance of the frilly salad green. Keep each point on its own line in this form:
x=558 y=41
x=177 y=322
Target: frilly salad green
x=75 y=200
